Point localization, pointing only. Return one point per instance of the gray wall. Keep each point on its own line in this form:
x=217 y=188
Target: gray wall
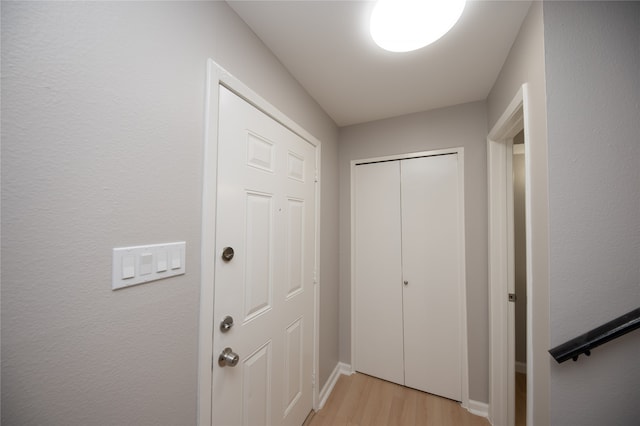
x=525 y=64
x=593 y=90
x=465 y=126
x=102 y=142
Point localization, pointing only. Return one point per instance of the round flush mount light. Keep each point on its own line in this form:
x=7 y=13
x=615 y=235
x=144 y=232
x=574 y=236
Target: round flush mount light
x=405 y=25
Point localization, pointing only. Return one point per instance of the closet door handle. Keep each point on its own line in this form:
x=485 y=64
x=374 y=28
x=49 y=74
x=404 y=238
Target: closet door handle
x=406 y=282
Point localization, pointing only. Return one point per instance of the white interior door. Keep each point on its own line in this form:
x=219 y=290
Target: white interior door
x=378 y=298
x=266 y=213
x=431 y=269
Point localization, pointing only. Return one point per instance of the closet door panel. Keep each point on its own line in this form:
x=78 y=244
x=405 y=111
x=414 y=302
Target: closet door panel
x=378 y=283
x=431 y=257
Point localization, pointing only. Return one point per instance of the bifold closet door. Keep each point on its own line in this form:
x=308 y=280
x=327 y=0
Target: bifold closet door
x=378 y=287
x=431 y=256
x=408 y=272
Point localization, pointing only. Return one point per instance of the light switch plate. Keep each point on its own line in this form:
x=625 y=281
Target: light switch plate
x=142 y=264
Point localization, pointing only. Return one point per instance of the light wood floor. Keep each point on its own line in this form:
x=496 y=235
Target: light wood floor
x=364 y=400
x=521 y=399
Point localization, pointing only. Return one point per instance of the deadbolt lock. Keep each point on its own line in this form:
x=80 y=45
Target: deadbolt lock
x=227 y=254
x=226 y=324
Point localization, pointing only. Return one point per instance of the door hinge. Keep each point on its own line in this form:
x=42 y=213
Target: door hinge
x=315 y=178
x=512 y=297
x=313 y=380
x=315 y=277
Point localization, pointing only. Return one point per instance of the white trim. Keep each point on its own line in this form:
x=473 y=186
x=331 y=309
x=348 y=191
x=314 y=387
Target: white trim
x=216 y=76
x=352 y=260
x=478 y=408
x=464 y=338
x=346 y=369
x=511 y=285
x=463 y=312
x=502 y=313
x=529 y=249
x=518 y=149
x=408 y=156
x=341 y=369
x=316 y=287
x=497 y=175
x=207 y=271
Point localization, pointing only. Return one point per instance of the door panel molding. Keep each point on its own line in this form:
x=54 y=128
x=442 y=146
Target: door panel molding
x=462 y=272
x=216 y=77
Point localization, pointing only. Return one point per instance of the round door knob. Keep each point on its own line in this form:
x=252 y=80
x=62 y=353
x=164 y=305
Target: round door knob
x=228 y=358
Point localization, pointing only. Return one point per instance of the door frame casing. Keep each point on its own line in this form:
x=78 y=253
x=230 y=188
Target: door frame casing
x=462 y=273
x=501 y=260
x=217 y=76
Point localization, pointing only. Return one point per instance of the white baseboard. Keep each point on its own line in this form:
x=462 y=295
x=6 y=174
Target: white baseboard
x=478 y=408
x=346 y=369
x=340 y=369
x=521 y=367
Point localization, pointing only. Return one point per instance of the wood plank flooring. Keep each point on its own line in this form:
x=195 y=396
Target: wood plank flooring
x=361 y=400
x=521 y=399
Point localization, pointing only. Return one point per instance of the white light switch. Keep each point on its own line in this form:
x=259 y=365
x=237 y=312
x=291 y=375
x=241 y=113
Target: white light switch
x=145 y=263
x=176 y=258
x=141 y=264
x=128 y=266
x=161 y=260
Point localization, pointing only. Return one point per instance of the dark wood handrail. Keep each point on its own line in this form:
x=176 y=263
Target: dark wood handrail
x=596 y=337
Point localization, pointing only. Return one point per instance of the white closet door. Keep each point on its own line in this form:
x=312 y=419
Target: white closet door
x=378 y=277
x=431 y=267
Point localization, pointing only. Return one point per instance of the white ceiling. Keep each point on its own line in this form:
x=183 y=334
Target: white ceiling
x=326 y=46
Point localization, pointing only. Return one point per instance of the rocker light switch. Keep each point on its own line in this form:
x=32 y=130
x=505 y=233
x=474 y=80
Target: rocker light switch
x=176 y=258
x=145 y=263
x=128 y=266
x=142 y=264
x=161 y=260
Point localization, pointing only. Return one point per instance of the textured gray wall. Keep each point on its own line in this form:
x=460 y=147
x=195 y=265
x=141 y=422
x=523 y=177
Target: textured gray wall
x=593 y=91
x=465 y=126
x=102 y=143
x=525 y=64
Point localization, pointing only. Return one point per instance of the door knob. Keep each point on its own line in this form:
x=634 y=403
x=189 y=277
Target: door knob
x=228 y=358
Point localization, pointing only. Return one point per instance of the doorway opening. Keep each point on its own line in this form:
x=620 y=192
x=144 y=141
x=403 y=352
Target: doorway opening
x=520 y=278
x=510 y=264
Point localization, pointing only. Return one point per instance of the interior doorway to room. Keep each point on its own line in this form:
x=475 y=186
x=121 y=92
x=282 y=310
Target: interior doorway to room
x=520 y=278
x=510 y=265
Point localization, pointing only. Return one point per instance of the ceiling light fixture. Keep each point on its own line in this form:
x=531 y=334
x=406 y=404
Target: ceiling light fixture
x=405 y=25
